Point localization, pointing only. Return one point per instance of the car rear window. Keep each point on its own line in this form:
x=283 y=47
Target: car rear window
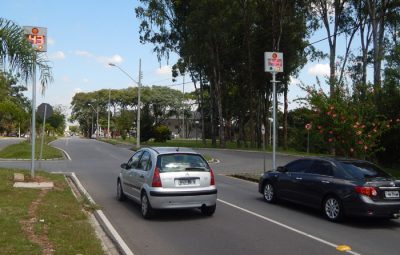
x=364 y=170
x=181 y=162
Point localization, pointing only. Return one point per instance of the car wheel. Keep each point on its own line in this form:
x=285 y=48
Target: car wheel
x=146 y=209
x=269 y=193
x=333 y=209
x=120 y=193
x=208 y=210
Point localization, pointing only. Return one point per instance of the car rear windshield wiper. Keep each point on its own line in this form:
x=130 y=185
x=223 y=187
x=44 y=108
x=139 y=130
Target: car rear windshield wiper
x=195 y=169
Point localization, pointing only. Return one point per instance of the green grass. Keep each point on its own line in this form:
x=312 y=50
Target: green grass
x=23 y=150
x=64 y=222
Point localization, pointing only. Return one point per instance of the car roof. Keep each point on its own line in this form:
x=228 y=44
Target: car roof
x=334 y=159
x=169 y=150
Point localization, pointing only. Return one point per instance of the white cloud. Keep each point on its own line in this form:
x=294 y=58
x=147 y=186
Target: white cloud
x=164 y=70
x=76 y=90
x=85 y=80
x=294 y=81
x=58 y=55
x=83 y=53
x=319 y=69
x=115 y=59
x=50 y=41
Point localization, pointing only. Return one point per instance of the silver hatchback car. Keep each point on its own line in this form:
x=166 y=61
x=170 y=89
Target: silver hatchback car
x=168 y=178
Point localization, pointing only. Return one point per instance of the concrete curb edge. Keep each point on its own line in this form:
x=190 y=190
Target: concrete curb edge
x=102 y=219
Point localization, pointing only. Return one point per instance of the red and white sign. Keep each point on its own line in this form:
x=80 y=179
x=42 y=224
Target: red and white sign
x=273 y=62
x=37 y=36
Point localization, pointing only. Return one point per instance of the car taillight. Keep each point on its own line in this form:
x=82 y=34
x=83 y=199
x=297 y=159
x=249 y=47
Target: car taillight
x=366 y=191
x=156 y=178
x=212 y=180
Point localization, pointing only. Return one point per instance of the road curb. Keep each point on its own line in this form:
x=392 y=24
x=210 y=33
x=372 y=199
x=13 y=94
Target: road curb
x=63 y=151
x=102 y=219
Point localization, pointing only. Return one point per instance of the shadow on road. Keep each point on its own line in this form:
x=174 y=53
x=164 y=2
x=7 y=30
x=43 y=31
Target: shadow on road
x=355 y=222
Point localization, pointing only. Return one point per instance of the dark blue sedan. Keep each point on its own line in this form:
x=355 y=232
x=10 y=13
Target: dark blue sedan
x=338 y=187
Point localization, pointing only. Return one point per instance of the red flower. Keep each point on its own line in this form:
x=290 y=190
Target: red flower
x=360 y=142
x=330 y=140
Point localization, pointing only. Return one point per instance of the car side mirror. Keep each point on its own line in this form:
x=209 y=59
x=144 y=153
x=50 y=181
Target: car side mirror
x=124 y=166
x=281 y=169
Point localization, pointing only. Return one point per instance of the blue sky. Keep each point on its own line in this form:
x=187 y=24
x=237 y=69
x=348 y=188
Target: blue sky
x=84 y=36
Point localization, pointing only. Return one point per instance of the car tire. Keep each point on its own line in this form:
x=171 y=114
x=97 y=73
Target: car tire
x=208 y=210
x=120 y=193
x=145 y=207
x=333 y=209
x=269 y=193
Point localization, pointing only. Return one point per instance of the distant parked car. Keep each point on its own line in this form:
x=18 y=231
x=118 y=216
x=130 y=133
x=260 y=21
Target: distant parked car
x=338 y=187
x=168 y=178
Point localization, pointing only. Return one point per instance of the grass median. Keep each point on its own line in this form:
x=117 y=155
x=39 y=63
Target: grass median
x=23 y=150
x=43 y=221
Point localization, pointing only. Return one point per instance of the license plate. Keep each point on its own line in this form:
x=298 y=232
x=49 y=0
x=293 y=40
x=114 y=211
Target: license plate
x=392 y=194
x=185 y=182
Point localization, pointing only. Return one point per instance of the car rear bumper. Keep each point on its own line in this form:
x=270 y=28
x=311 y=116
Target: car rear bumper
x=369 y=208
x=182 y=199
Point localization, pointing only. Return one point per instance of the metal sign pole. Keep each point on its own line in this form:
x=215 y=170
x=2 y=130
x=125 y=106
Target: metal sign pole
x=33 y=126
x=43 y=131
x=274 y=124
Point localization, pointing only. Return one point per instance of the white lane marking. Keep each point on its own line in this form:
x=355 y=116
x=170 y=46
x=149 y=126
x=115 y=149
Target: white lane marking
x=286 y=226
x=66 y=153
x=114 y=233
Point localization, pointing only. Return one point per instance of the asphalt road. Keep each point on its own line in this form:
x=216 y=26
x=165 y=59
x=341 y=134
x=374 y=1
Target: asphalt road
x=242 y=224
x=5 y=141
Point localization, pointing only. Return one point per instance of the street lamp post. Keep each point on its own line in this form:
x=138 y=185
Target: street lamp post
x=109 y=112
x=139 y=103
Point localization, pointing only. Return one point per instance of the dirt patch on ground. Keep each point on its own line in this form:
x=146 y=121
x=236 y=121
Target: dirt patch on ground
x=28 y=227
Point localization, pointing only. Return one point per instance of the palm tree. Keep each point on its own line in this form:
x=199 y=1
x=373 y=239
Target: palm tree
x=19 y=54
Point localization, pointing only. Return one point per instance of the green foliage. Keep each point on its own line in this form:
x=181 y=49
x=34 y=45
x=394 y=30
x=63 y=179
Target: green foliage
x=346 y=126
x=161 y=133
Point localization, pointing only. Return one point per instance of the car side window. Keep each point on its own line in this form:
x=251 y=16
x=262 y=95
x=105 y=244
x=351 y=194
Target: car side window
x=298 y=166
x=133 y=161
x=321 y=167
x=144 y=161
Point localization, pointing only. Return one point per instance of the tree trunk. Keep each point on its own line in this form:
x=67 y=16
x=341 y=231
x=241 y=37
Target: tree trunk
x=203 y=132
x=285 y=116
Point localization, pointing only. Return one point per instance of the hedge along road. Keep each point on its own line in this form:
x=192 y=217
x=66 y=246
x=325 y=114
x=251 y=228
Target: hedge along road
x=242 y=224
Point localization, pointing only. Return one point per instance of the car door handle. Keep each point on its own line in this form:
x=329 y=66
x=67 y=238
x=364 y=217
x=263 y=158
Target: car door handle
x=141 y=176
x=299 y=178
x=326 y=182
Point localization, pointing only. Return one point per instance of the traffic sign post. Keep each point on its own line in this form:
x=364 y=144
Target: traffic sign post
x=273 y=63
x=45 y=111
x=263 y=135
x=37 y=37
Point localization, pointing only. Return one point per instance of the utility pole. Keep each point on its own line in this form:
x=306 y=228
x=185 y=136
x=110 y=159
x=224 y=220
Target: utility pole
x=109 y=112
x=138 y=117
x=183 y=104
